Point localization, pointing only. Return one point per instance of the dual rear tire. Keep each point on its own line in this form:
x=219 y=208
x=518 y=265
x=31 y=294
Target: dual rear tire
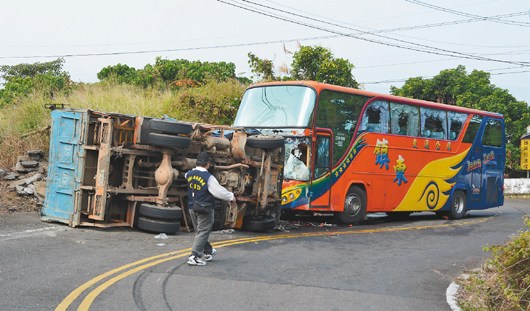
x=166 y=133
x=159 y=219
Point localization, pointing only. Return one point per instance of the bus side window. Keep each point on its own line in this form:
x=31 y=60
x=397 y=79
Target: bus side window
x=492 y=133
x=472 y=129
x=433 y=123
x=339 y=112
x=455 y=123
x=376 y=117
x=404 y=119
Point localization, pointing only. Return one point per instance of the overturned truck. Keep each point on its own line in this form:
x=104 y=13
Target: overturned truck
x=109 y=169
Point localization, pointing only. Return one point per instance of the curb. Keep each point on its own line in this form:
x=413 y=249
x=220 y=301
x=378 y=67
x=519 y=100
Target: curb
x=450 y=295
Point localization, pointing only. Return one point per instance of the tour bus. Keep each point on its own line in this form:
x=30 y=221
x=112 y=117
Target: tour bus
x=351 y=152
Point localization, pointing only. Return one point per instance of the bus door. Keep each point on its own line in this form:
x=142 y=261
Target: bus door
x=493 y=162
x=476 y=173
x=320 y=190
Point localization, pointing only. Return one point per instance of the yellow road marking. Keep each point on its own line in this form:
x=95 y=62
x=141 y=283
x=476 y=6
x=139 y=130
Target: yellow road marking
x=158 y=259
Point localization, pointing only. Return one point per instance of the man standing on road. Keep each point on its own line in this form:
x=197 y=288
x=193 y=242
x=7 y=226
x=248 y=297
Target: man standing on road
x=203 y=188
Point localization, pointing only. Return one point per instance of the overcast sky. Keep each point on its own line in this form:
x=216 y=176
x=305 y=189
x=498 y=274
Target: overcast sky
x=135 y=32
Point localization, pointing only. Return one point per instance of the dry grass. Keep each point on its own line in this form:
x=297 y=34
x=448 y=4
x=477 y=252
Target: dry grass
x=503 y=281
x=28 y=115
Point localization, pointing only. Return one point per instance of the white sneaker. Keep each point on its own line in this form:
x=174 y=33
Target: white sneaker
x=196 y=261
x=209 y=257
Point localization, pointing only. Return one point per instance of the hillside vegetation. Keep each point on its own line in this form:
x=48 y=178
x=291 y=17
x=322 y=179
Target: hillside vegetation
x=22 y=124
x=503 y=281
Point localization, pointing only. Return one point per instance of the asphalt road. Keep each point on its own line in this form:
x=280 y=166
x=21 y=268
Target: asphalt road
x=381 y=265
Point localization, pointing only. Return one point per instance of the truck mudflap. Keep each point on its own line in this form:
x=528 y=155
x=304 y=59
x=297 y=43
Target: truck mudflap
x=104 y=166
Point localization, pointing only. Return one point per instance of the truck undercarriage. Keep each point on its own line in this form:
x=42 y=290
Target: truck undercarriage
x=110 y=169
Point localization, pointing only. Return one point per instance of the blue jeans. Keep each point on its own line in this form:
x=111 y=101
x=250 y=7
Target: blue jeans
x=203 y=226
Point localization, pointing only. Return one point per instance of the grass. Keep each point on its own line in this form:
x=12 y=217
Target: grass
x=503 y=281
x=21 y=124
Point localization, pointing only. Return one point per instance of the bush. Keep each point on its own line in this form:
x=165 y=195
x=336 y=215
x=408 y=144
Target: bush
x=213 y=102
x=167 y=73
x=503 y=282
x=22 y=80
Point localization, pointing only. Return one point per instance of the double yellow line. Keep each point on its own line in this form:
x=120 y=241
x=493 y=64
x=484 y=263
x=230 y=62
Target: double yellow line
x=126 y=270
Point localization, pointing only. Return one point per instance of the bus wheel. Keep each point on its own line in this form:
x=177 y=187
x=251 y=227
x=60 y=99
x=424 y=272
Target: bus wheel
x=354 y=207
x=458 y=205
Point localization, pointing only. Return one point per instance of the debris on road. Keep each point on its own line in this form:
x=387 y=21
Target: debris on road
x=23 y=187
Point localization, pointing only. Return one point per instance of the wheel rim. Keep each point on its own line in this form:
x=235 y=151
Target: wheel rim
x=352 y=204
x=458 y=204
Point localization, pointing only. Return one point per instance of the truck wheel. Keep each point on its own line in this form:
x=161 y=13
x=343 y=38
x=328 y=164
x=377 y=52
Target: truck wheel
x=458 y=205
x=265 y=141
x=167 y=141
x=354 y=207
x=170 y=213
x=264 y=223
x=170 y=127
x=219 y=214
x=158 y=226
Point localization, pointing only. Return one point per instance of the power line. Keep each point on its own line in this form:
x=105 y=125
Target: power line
x=495 y=20
x=262 y=42
x=430 y=77
x=165 y=50
x=361 y=32
x=421 y=48
x=450 y=23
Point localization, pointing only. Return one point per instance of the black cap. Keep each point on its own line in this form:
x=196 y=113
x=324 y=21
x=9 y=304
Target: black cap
x=203 y=158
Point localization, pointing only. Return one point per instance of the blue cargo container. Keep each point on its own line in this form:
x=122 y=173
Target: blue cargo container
x=84 y=149
x=66 y=162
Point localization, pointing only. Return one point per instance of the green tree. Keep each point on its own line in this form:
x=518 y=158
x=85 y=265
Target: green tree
x=120 y=73
x=263 y=68
x=21 y=80
x=170 y=72
x=318 y=63
x=53 y=68
x=474 y=90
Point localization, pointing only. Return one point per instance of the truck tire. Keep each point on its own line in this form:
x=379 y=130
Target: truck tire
x=219 y=214
x=158 y=226
x=170 y=213
x=264 y=223
x=166 y=141
x=265 y=141
x=170 y=127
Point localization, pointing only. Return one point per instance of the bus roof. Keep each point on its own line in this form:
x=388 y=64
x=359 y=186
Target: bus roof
x=324 y=86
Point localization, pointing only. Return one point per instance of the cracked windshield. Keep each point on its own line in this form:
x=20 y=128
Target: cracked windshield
x=276 y=106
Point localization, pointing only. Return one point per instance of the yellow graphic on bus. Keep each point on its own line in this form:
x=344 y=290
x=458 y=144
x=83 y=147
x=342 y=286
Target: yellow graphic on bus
x=429 y=191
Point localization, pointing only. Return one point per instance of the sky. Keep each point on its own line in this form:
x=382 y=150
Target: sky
x=93 y=34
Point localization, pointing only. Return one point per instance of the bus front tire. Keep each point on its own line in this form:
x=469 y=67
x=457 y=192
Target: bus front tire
x=354 y=207
x=458 y=205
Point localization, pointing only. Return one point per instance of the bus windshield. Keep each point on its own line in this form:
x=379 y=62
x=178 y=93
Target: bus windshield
x=276 y=106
